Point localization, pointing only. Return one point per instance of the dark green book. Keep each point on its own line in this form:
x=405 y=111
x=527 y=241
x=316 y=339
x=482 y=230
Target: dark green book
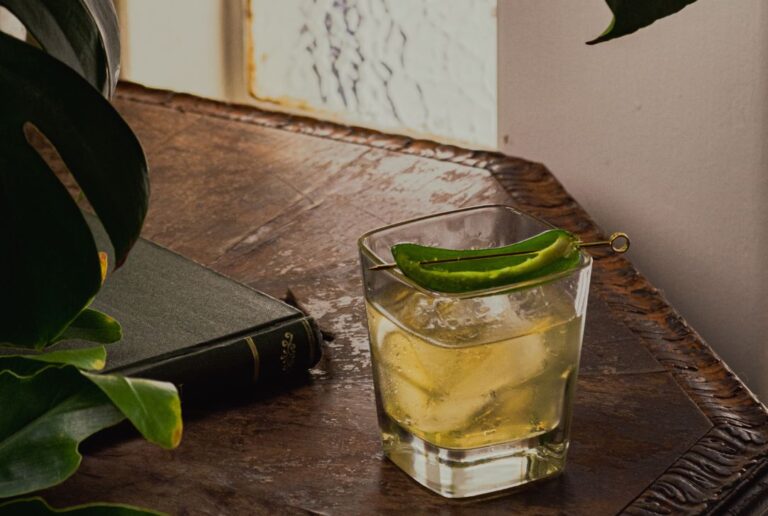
x=189 y=325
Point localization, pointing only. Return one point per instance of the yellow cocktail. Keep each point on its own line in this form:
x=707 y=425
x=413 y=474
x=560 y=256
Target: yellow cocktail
x=473 y=390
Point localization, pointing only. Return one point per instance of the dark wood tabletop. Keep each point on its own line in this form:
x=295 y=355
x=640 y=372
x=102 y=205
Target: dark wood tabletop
x=660 y=425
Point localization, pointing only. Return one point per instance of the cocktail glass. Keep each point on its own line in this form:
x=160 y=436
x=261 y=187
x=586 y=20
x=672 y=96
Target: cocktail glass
x=473 y=390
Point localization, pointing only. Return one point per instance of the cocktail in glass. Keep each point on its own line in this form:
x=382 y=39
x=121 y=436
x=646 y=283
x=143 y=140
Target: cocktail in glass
x=473 y=390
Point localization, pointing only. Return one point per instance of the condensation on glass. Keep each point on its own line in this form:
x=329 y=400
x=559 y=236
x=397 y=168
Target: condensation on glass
x=419 y=67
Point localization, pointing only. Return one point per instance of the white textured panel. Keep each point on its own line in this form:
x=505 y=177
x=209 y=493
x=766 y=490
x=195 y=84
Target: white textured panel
x=424 y=67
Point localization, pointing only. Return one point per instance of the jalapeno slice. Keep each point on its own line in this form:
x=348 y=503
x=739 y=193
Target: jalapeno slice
x=450 y=270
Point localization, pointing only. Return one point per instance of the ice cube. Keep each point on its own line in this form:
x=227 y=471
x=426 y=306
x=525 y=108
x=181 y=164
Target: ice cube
x=395 y=353
x=437 y=390
x=474 y=370
x=426 y=412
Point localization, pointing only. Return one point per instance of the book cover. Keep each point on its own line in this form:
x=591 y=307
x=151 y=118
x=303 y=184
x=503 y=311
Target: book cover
x=189 y=325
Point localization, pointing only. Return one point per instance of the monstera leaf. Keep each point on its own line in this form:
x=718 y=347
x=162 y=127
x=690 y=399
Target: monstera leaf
x=631 y=15
x=49 y=266
x=41 y=427
x=81 y=33
x=38 y=507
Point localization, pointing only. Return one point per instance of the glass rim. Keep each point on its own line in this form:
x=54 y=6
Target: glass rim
x=395 y=273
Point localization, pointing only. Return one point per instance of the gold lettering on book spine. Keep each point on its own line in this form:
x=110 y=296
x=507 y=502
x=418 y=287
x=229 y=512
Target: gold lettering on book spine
x=288 y=351
x=256 y=360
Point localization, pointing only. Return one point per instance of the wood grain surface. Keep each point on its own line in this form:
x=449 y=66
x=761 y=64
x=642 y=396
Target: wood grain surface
x=661 y=425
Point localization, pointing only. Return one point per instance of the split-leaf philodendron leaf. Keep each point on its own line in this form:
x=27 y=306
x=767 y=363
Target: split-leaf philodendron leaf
x=631 y=15
x=47 y=412
x=49 y=266
x=81 y=33
x=49 y=262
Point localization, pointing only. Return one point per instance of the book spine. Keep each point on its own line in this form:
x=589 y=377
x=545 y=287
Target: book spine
x=271 y=357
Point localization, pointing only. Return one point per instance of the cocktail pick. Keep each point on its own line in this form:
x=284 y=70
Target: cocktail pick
x=618 y=242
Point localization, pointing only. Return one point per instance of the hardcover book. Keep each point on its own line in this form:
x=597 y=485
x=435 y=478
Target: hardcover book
x=187 y=324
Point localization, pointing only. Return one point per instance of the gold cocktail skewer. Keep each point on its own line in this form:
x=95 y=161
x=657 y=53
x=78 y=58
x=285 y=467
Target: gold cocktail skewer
x=618 y=242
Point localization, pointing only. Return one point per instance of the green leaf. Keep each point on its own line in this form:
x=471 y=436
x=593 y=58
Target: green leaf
x=49 y=262
x=92 y=359
x=93 y=326
x=39 y=507
x=153 y=407
x=47 y=414
x=631 y=15
x=83 y=34
x=42 y=421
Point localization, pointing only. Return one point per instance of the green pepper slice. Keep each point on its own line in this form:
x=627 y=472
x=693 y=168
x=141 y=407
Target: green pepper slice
x=552 y=251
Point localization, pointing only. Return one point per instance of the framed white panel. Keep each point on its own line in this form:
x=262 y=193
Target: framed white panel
x=420 y=67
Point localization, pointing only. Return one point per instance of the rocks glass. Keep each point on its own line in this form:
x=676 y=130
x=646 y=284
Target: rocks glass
x=473 y=390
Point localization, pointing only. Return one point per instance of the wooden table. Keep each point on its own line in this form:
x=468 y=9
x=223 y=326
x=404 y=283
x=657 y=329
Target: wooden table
x=661 y=425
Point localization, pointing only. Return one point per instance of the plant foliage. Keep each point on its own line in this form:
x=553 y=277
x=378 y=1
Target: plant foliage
x=631 y=15
x=41 y=427
x=38 y=507
x=50 y=268
x=83 y=34
x=50 y=263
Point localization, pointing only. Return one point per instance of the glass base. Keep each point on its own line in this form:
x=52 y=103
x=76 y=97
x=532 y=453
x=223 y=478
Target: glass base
x=457 y=473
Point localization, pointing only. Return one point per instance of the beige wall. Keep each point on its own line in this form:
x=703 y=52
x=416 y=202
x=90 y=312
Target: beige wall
x=662 y=134
x=194 y=46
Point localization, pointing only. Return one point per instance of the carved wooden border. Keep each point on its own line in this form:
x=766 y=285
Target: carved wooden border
x=726 y=471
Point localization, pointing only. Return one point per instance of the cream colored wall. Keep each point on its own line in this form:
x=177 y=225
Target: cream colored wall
x=662 y=134
x=194 y=46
